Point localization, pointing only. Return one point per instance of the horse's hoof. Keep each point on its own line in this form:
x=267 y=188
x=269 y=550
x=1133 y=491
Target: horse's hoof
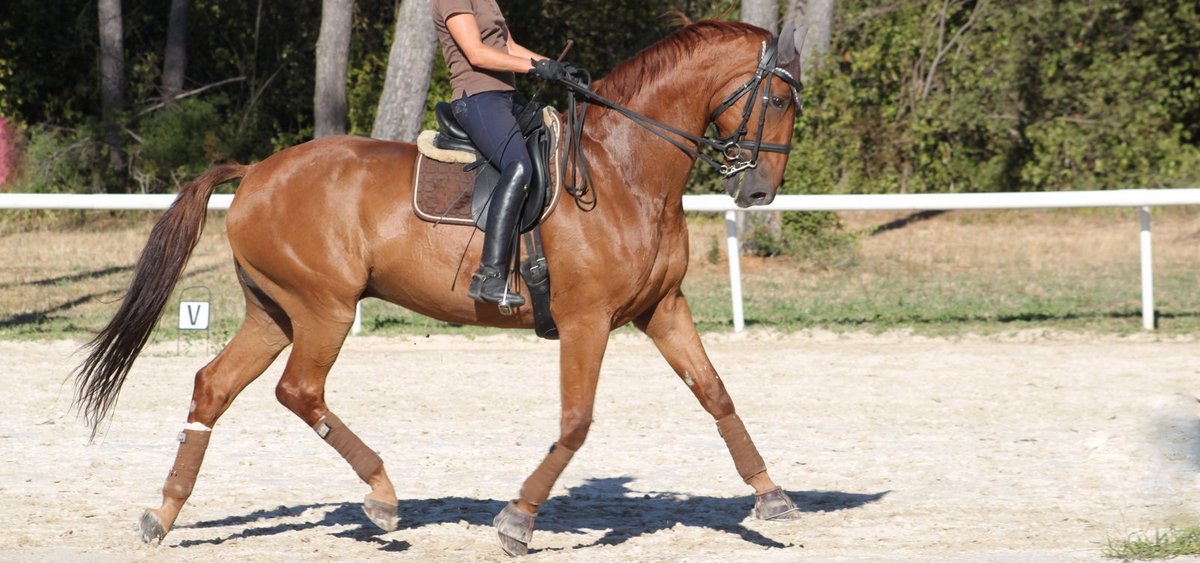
x=381 y=513
x=153 y=531
x=515 y=528
x=775 y=505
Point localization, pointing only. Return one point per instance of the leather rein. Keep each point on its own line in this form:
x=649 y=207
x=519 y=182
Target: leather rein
x=731 y=147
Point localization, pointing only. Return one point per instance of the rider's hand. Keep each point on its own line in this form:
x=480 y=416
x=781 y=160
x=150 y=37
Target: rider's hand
x=551 y=70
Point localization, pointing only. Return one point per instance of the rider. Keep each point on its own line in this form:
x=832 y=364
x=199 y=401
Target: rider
x=483 y=59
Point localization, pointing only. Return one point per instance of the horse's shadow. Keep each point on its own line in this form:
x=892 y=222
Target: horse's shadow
x=44 y=315
x=598 y=504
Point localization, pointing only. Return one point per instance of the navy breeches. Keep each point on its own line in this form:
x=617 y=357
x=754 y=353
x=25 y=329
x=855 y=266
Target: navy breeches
x=490 y=120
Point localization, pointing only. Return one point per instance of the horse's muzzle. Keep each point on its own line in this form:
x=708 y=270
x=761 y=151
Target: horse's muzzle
x=747 y=190
x=752 y=199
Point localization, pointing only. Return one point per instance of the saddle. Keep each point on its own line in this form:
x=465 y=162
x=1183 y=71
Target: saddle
x=452 y=182
x=447 y=192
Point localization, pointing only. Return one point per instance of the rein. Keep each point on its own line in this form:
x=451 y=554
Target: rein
x=730 y=147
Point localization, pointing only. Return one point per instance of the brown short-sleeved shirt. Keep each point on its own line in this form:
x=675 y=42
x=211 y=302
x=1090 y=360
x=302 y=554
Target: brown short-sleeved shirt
x=466 y=80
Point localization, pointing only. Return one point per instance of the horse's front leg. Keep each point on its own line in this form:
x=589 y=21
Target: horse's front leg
x=671 y=328
x=580 y=354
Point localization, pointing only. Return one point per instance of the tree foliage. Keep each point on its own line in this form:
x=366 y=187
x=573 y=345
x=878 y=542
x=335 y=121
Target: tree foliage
x=948 y=95
x=1003 y=95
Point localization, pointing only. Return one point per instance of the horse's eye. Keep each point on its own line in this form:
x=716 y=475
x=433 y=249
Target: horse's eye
x=778 y=101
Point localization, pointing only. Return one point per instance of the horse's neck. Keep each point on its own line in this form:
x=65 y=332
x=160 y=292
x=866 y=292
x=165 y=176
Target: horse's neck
x=679 y=100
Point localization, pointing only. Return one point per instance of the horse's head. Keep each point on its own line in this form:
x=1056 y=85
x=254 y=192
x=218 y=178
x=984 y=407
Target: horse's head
x=755 y=121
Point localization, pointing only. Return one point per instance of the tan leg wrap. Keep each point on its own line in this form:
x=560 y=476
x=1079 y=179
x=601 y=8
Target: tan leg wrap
x=536 y=489
x=741 y=447
x=363 y=460
x=182 y=477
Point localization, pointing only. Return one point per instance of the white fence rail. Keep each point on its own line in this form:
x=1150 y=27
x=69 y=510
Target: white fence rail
x=1136 y=198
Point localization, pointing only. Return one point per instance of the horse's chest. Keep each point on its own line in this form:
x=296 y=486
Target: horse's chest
x=667 y=259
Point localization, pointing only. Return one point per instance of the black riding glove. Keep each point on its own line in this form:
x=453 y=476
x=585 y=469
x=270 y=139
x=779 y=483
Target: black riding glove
x=551 y=70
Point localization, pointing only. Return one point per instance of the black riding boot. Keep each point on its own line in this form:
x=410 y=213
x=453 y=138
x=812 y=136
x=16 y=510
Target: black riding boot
x=489 y=284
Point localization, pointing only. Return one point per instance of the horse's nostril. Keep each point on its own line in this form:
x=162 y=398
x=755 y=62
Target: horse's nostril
x=759 y=196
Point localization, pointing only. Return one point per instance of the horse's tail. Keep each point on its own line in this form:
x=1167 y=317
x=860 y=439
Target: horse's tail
x=99 y=378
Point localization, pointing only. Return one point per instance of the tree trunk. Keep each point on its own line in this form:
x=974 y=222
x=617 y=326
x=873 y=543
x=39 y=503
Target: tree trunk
x=402 y=105
x=763 y=13
x=330 y=110
x=793 y=11
x=112 y=80
x=175 y=58
x=818 y=15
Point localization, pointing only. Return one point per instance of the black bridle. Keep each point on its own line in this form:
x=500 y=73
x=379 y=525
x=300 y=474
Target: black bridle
x=731 y=147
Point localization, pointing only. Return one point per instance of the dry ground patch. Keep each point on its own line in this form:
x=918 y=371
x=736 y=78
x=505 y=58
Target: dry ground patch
x=896 y=447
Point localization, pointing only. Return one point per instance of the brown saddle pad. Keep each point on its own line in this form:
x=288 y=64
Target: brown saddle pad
x=442 y=191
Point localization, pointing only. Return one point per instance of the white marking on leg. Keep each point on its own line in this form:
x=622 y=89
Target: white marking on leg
x=197 y=427
x=687 y=379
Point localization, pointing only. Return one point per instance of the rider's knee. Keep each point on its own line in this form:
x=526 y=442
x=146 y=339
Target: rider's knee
x=519 y=169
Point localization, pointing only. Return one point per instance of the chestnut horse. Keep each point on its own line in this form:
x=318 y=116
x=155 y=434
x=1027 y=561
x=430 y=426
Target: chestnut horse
x=319 y=226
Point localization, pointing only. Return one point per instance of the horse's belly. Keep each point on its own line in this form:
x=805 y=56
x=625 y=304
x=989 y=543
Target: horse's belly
x=427 y=269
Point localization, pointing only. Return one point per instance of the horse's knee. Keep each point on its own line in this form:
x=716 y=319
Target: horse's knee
x=298 y=399
x=209 y=397
x=575 y=430
x=708 y=388
x=719 y=404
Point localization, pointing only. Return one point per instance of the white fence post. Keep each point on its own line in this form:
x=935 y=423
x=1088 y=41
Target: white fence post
x=735 y=269
x=1140 y=198
x=1147 y=272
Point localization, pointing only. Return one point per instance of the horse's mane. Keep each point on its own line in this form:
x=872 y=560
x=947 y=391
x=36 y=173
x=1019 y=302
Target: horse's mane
x=629 y=77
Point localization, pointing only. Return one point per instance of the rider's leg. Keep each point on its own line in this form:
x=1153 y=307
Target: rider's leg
x=488 y=118
x=489 y=284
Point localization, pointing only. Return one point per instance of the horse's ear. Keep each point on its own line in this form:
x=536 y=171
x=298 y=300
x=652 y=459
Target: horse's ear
x=787 y=44
x=791 y=42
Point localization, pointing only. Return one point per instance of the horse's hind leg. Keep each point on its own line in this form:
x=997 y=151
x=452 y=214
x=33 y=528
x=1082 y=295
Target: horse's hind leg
x=302 y=391
x=671 y=328
x=247 y=356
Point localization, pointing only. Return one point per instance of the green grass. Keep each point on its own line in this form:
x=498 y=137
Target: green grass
x=1159 y=545
x=957 y=274
x=936 y=305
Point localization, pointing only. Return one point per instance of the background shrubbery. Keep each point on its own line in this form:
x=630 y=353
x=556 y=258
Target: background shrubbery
x=1036 y=95
x=914 y=96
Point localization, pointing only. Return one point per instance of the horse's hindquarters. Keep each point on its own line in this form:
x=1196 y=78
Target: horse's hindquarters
x=323 y=224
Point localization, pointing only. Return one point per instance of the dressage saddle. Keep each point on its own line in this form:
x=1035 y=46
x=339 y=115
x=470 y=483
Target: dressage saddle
x=538 y=140
x=540 y=128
